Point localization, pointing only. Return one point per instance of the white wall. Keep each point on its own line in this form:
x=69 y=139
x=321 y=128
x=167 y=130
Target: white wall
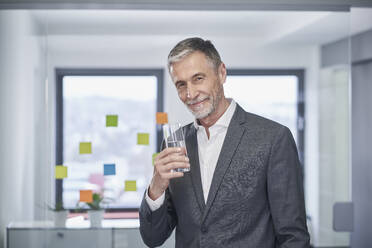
x=22 y=74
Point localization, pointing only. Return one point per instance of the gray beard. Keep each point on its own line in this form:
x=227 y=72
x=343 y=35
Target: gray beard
x=202 y=114
x=205 y=112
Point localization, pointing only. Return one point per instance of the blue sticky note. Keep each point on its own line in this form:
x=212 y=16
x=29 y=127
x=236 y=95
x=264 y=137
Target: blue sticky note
x=109 y=169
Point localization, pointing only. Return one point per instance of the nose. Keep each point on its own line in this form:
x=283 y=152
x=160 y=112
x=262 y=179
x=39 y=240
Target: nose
x=191 y=92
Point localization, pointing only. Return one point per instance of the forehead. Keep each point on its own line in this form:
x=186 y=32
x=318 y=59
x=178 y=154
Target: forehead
x=192 y=63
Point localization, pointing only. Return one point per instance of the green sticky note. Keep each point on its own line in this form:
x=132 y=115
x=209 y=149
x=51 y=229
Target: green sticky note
x=153 y=157
x=130 y=185
x=111 y=120
x=143 y=138
x=85 y=148
x=61 y=172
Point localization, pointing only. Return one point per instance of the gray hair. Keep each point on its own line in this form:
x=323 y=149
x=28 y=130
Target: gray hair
x=190 y=45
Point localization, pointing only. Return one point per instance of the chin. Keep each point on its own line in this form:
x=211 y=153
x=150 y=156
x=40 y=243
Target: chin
x=201 y=114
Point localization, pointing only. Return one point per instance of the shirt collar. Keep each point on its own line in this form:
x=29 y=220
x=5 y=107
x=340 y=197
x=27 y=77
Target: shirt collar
x=225 y=119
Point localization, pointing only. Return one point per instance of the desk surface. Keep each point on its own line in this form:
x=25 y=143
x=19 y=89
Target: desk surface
x=76 y=223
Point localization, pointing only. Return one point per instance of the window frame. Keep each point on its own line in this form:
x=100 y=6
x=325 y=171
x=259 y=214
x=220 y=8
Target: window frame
x=300 y=74
x=62 y=72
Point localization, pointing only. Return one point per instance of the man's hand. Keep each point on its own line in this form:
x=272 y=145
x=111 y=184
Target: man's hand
x=164 y=165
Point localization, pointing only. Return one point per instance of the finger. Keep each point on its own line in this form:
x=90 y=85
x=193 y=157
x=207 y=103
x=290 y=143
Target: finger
x=162 y=169
x=168 y=151
x=172 y=174
x=176 y=165
x=174 y=158
x=183 y=150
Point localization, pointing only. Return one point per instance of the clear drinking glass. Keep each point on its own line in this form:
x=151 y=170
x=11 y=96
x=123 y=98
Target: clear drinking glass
x=174 y=137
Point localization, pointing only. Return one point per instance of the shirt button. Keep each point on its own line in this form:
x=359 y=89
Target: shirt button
x=204 y=229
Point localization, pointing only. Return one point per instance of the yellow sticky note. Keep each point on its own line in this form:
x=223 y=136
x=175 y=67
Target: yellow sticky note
x=61 y=172
x=161 y=118
x=111 y=120
x=85 y=148
x=154 y=156
x=130 y=185
x=143 y=138
x=86 y=195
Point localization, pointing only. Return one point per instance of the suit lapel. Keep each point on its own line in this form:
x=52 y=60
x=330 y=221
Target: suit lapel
x=230 y=144
x=192 y=152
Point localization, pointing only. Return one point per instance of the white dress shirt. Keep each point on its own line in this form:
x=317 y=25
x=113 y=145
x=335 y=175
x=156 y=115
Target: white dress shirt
x=208 y=150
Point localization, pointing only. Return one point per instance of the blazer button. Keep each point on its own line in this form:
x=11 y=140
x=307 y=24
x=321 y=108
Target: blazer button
x=204 y=229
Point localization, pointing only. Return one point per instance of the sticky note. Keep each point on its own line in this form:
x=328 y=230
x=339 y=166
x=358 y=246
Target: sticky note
x=143 y=138
x=86 y=195
x=130 y=185
x=111 y=120
x=153 y=157
x=97 y=178
x=109 y=169
x=61 y=172
x=85 y=148
x=161 y=118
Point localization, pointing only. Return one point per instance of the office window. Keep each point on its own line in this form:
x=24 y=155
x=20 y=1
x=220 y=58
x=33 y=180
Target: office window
x=106 y=110
x=274 y=94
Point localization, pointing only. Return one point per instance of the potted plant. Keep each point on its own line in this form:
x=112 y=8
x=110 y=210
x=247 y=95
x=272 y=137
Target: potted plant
x=96 y=211
x=60 y=214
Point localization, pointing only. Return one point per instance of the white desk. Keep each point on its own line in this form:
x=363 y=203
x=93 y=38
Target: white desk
x=77 y=234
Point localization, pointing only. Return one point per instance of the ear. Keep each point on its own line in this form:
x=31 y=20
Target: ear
x=222 y=73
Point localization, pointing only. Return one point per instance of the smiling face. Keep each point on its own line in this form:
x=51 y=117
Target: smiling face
x=199 y=85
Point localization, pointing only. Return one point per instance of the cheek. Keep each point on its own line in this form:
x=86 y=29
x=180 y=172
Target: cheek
x=182 y=97
x=213 y=90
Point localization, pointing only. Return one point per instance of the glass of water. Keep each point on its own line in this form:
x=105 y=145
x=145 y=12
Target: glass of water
x=174 y=137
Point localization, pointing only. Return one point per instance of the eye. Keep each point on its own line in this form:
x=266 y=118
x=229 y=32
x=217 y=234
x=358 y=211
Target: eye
x=179 y=85
x=199 y=78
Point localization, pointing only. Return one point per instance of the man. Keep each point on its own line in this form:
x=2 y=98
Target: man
x=244 y=188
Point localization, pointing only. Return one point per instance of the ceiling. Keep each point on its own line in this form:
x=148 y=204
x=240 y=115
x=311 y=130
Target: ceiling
x=261 y=27
x=187 y=5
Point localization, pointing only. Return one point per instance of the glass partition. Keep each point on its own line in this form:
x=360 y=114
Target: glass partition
x=361 y=91
x=98 y=111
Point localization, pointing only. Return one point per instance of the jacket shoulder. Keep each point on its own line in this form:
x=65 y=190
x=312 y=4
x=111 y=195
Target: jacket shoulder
x=260 y=126
x=257 y=121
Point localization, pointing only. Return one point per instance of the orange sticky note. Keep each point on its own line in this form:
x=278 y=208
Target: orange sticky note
x=161 y=118
x=60 y=172
x=86 y=195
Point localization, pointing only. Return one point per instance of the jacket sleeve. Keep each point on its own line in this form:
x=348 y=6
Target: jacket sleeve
x=156 y=226
x=285 y=193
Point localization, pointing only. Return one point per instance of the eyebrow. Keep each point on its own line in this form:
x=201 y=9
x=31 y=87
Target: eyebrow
x=179 y=82
x=198 y=74
x=193 y=76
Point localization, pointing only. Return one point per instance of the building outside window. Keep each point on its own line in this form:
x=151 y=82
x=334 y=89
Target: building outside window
x=107 y=110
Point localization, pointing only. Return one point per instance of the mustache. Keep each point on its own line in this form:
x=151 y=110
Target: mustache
x=200 y=99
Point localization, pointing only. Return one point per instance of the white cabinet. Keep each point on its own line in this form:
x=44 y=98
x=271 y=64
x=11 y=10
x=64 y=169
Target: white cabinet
x=59 y=238
x=128 y=238
x=52 y=237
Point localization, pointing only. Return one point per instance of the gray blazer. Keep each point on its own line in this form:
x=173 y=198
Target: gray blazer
x=256 y=196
